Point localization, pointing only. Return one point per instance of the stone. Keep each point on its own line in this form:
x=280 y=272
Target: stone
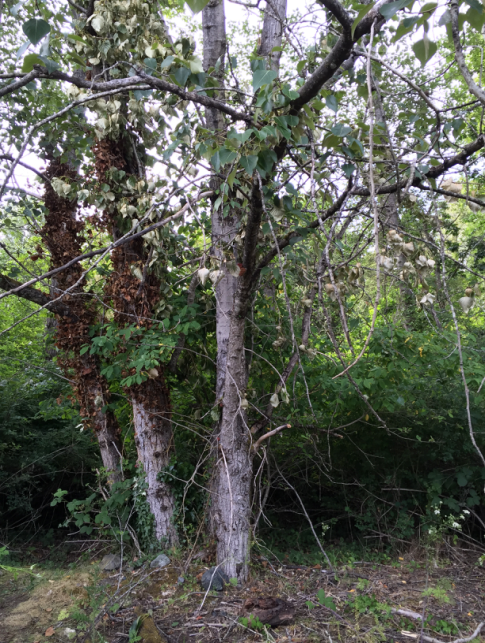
x=214 y=578
x=110 y=562
x=160 y=561
x=69 y=633
x=181 y=580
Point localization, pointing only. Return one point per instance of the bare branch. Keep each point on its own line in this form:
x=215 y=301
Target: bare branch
x=264 y=437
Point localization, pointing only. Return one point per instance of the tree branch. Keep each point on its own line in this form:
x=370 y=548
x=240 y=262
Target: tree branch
x=94 y=253
x=35 y=296
x=264 y=437
x=459 y=56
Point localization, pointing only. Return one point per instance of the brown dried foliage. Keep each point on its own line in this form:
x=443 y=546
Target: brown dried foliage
x=133 y=300
x=62 y=235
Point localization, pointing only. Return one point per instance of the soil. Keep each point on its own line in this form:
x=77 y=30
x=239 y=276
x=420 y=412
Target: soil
x=366 y=602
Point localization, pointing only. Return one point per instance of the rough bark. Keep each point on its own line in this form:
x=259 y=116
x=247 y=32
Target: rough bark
x=272 y=33
x=232 y=478
x=232 y=473
x=132 y=301
x=62 y=236
x=153 y=439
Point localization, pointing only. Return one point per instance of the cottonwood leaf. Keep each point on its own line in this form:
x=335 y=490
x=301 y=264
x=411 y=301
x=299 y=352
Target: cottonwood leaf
x=475 y=5
x=181 y=75
x=364 y=10
x=21 y=51
x=50 y=631
x=263 y=77
x=249 y=163
x=35 y=29
x=29 y=62
x=389 y=10
x=332 y=103
x=424 y=50
x=196 y=6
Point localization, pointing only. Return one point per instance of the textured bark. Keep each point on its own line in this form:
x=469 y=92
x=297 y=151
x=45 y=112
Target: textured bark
x=272 y=34
x=232 y=477
x=223 y=228
x=135 y=300
x=232 y=474
x=62 y=236
x=153 y=439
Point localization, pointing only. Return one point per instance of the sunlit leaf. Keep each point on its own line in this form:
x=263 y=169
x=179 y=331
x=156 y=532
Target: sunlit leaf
x=196 y=6
x=424 y=50
x=35 y=29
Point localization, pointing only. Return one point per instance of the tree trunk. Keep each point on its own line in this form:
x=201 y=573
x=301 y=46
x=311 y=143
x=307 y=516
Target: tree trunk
x=153 y=439
x=61 y=233
x=223 y=228
x=232 y=473
x=232 y=478
x=132 y=301
x=272 y=34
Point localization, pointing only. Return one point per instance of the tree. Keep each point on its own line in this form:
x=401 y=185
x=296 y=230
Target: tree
x=313 y=165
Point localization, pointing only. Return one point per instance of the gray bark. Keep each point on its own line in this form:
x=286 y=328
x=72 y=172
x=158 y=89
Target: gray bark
x=153 y=439
x=232 y=473
x=272 y=33
x=223 y=228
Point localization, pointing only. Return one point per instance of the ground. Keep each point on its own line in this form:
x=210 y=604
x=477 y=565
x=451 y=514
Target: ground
x=358 y=601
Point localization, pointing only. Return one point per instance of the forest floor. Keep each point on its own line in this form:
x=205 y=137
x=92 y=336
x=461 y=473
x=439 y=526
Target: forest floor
x=362 y=602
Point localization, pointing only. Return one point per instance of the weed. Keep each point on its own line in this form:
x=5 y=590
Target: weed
x=325 y=601
x=438 y=593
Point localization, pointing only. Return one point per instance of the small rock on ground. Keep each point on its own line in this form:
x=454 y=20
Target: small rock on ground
x=215 y=579
x=110 y=562
x=160 y=561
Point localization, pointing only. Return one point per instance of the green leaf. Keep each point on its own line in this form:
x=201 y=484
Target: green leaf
x=341 y=130
x=332 y=103
x=390 y=10
x=181 y=75
x=29 y=62
x=348 y=169
x=424 y=50
x=35 y=29
x=226 y=156
x=21 y=51
x=263 y=77
x=363 y=11
x=249 y=163
x=475 y=5
x=475 y=19
x=445 y=18
x=196 y=6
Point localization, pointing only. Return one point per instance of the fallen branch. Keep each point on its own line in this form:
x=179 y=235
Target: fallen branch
x=430 y=639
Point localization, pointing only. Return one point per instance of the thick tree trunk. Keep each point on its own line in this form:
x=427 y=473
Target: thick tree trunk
x=153 y=439
x=134 y=300
x=232 y=478
x=61 y=233
x=232 y=473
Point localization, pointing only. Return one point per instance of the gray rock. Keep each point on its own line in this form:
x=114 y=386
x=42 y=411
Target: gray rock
x=181 y=580
x=160 y=561
x=110 y=562
x=215 y=579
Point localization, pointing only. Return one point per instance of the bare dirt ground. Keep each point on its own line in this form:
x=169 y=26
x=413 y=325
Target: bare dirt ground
x=404 y=601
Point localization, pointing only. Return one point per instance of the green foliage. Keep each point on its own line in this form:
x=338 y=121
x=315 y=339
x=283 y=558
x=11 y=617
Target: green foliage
x=325 y=601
